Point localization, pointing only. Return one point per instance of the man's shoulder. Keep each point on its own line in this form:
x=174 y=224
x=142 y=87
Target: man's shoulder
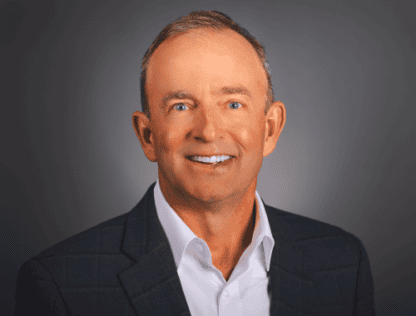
x=312 y=234
x=78 y=258
x=105 y=237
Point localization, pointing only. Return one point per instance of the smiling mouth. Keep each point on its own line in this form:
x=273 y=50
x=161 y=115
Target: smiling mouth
x=212 y=160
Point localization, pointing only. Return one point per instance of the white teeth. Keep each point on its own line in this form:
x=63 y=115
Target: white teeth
x=213 y=159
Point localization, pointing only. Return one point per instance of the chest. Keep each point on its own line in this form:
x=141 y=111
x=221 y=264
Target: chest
x=226 y=263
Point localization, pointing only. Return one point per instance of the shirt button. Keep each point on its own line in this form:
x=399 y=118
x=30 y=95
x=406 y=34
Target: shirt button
x=226 y=294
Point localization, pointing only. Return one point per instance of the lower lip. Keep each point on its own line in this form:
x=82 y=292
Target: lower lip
x=222 y=164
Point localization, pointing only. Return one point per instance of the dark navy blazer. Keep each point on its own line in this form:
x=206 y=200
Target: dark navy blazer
x=125 y=266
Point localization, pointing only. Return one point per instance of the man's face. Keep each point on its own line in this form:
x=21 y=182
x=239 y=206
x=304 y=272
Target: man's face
x=207 y=96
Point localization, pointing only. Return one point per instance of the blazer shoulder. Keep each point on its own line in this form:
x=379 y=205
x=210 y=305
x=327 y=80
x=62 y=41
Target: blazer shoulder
x=104 y=237
x=306 y=230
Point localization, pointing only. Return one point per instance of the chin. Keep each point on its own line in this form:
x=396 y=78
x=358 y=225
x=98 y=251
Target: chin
x=210 y=193
x=204 y=193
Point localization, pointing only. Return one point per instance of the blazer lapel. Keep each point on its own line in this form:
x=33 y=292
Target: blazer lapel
x=152 y=283
x=292 y=292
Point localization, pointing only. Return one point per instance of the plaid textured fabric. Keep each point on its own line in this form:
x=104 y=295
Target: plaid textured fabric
x=125 y=266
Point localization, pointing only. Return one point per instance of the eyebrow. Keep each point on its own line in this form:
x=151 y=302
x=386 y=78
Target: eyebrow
x=234 y=90
x=176 y=95
x=180 y=95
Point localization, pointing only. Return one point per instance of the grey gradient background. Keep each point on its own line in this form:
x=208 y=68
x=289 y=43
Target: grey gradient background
x=344 y=69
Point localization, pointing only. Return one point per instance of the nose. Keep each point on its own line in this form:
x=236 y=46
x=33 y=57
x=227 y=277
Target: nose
x=208 y=125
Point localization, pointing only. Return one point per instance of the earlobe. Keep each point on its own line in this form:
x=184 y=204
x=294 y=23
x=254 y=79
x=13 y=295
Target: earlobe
x=142 y=128
x=275 y=121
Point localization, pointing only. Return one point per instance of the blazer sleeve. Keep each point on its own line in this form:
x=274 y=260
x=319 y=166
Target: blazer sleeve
x=37 y=292
x=364 y=295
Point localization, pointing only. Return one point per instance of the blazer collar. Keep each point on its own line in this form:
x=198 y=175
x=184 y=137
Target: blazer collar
x=152 y=283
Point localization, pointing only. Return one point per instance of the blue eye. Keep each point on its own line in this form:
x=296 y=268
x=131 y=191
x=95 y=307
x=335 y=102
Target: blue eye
x=180 y=107
x=235 y=105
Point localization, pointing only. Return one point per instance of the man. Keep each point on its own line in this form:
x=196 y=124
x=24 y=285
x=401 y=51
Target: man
x=201 y=241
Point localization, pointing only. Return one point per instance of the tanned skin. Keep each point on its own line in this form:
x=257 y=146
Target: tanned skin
x=207 y=96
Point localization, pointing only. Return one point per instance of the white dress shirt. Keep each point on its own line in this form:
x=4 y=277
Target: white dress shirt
x=206 y=291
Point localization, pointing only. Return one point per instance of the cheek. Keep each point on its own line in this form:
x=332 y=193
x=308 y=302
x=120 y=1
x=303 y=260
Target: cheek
x=169 y=139
x=251 y=136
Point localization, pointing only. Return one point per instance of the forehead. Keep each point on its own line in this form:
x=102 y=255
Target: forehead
x=204 y=60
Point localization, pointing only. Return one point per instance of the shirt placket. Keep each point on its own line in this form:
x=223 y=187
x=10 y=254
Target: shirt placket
x=229 y=302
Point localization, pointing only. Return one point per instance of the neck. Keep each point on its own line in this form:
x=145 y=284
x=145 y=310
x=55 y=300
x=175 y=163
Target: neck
x=225 y=219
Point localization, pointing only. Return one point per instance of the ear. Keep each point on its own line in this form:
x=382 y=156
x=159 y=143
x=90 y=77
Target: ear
x=144 y=132
x=275 y=121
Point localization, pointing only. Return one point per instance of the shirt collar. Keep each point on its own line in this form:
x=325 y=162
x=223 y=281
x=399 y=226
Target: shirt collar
x=180 y=235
